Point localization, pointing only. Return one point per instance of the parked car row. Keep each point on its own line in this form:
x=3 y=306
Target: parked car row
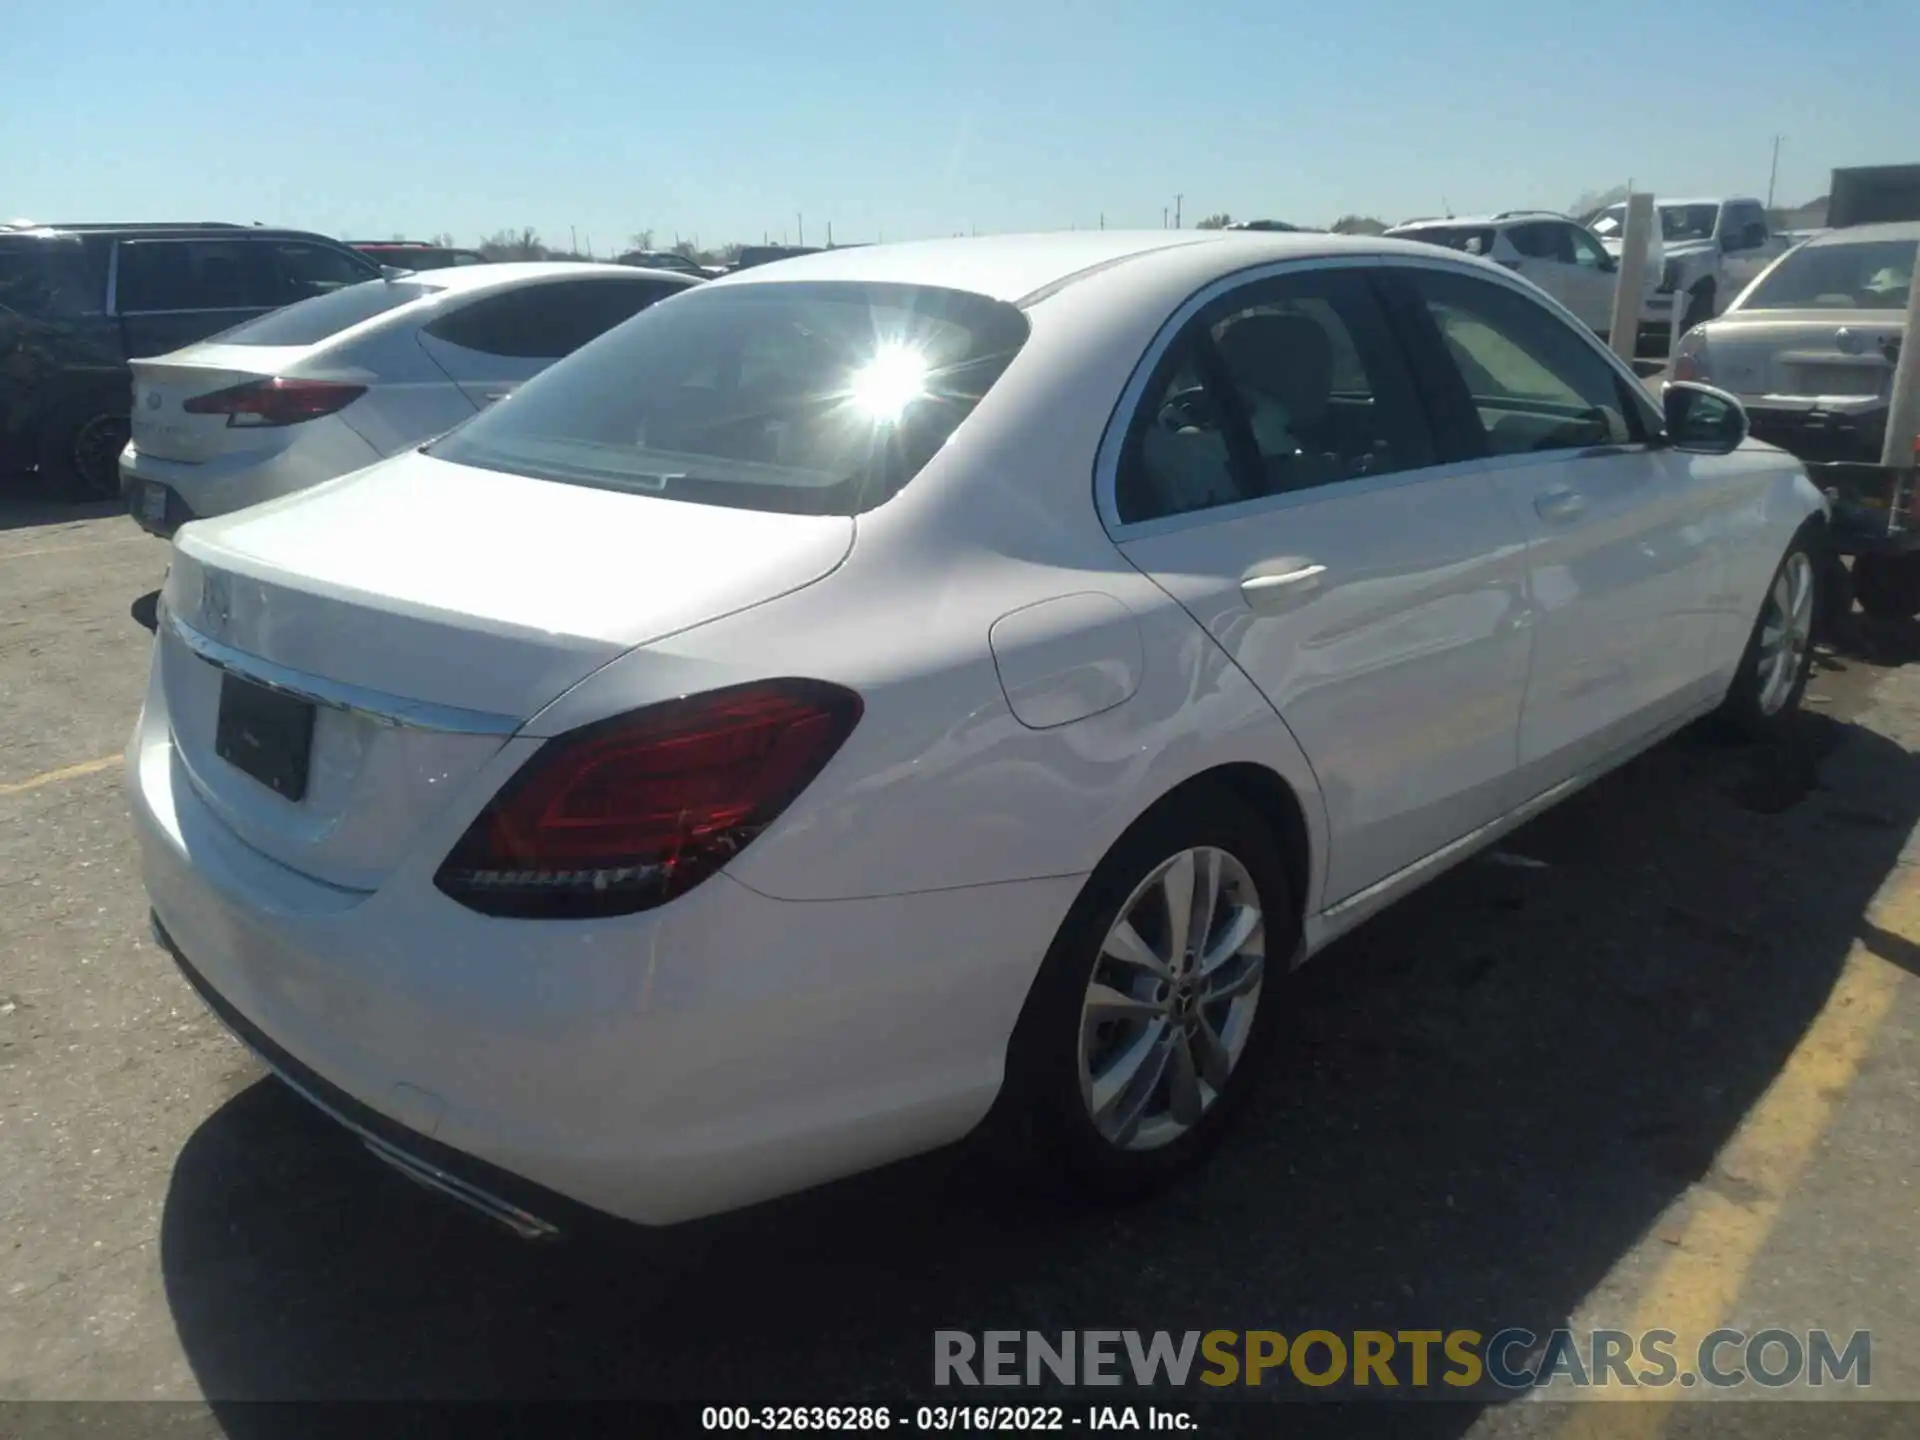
x=908 y=690
x=78 y=302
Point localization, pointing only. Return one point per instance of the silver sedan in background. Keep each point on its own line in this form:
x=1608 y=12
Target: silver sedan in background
x=335 y=383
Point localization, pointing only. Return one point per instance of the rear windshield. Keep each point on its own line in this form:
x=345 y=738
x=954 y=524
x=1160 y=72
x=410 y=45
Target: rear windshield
x=1871 y=275
x=818 y=398
x=1473 y=239
x=308 y=322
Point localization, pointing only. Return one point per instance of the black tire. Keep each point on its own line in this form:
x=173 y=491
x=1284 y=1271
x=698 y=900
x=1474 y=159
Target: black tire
x=80 y=445
x=1887 y=586
x=1699 y=306
x=1754 y=707
x=1041 y=1121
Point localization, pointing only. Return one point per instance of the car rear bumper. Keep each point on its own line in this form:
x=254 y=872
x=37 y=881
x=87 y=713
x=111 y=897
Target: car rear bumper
x=723 y=1050
x=297 y=458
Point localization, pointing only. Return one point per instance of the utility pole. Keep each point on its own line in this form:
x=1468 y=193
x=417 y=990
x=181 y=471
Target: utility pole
x=1163 y=217
x=1103 y=219
x=800 y=228
x=829 y=234
x=1774 y=173
x=1176 y=210
x=573 y=241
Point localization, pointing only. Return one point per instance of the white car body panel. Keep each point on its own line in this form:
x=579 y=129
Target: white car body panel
x=1032 y=684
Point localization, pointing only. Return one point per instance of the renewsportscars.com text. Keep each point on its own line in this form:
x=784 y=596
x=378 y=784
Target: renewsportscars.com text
x=1445 y=1361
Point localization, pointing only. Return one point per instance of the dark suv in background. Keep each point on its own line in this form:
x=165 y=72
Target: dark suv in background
x=77 y=302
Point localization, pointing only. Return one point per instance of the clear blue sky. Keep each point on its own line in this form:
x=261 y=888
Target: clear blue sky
x=725 y=118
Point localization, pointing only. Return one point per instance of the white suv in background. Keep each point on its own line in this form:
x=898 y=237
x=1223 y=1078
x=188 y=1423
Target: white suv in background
x=1554 y=251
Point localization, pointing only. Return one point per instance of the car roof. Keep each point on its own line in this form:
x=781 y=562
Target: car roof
x=1006 y=267
x=1858 y=234
x=1440 y=222
x=506 y=273
x=1025 y=269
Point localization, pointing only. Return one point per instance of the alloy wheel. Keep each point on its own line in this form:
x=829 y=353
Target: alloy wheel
x=1172 y=998
x=1786 y=632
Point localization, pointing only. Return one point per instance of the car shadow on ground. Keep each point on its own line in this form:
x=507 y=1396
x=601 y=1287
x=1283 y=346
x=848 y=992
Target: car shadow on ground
x=1481 y=1101
x=26 y=504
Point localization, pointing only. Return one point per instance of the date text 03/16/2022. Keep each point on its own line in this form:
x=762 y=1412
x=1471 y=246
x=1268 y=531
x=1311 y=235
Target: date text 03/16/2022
x=944 y=1419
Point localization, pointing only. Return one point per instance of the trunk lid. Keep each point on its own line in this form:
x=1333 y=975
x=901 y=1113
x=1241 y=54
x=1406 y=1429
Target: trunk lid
x=163 y=385
x=1829 y=355
x=465 y=599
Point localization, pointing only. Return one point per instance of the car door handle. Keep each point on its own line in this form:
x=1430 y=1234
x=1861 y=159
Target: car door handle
x=1560 y=505
x=1269 y=591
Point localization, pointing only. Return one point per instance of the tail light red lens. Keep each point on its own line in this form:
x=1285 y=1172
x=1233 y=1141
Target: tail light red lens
x=629 y=813
x=275 y=402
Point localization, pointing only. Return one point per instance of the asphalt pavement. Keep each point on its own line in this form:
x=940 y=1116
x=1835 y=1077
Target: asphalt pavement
x=1655 y=1065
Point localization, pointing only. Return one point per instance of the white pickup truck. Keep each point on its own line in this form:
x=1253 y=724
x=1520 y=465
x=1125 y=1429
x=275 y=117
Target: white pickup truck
x=1707 y=252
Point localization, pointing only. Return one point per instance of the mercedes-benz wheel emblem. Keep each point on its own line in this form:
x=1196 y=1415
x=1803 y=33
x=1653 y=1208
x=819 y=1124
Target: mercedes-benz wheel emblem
x=1849 y=341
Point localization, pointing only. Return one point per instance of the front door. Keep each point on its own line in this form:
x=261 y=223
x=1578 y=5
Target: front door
x=1279 y=480
x=1623 y=569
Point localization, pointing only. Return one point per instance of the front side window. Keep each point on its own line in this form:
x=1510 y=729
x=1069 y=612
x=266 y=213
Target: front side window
x=1542 y=242
x=1587 y=251
x=196 y=275
x=1688 y=222
x=1282 y=385
x=1869 y=275
x=1536 y=384
x=819 y=398
x=1468 y=239
x=307 y=269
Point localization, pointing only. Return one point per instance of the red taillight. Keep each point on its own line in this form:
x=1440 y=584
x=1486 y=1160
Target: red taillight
x=626 y=814
x=275 y=402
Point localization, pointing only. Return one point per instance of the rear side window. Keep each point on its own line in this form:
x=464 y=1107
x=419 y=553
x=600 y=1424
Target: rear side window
x=46 y=279
x=1875 y=275
x=544 y=322
x=819 y=398
x=1282 y=385
x=196 y=275
x=311 y=321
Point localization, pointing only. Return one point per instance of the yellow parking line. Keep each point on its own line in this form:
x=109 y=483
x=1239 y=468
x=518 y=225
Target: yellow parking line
x=54 y=777
x=1696 y=1287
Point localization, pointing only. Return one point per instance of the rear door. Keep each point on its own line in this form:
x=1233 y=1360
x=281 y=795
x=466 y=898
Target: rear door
x=170 y=293
x=1745 y=246
x=1623 y=557
x=1278 y=477
x=1592 y=280
x=493 y=343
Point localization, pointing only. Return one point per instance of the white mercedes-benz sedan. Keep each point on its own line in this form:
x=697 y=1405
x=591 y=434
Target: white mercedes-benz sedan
x=923 y=687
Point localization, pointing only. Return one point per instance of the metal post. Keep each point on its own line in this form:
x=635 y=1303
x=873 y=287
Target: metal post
x=1630 y=284
x=1901 y=449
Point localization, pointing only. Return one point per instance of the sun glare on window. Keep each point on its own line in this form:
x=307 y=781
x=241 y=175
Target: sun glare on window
x=893 y=379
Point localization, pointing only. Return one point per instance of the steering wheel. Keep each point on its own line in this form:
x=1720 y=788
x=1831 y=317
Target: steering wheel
x=1189 y=409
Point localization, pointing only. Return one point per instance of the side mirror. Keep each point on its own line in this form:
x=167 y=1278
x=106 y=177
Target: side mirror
x=1608 y=264
x=1702 y=419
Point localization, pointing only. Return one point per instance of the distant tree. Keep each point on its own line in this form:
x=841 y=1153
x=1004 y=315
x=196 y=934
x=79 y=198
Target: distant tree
x=1358 y=225
x=1218 y=221
x=727 y=253
x=640 y=240
x=396 y=236
x=523 y=244
x=687 y=250
x=444 y=240
x=1596 y=200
